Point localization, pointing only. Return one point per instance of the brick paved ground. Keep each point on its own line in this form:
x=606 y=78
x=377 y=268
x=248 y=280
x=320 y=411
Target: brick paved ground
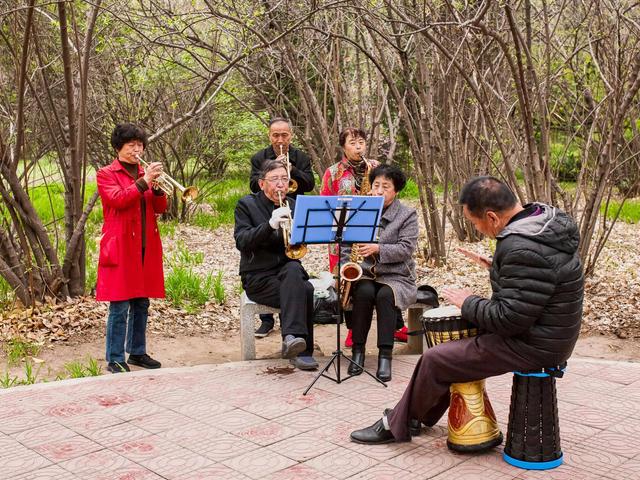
x=242 y=421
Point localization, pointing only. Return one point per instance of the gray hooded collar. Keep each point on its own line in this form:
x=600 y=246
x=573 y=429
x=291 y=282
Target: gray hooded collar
x=532 y=225
x=551 y=227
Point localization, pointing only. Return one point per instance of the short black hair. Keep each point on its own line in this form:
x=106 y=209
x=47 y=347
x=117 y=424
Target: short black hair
x=391 y=172
x=279 y=119
x=354 y=132
x=481 y=194
x=126 y=132
x=269 y=166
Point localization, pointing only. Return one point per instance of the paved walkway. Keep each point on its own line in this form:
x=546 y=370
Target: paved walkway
x=249 y=420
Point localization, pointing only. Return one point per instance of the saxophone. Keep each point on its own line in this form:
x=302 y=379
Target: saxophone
x=352 y=270
x=365 y=186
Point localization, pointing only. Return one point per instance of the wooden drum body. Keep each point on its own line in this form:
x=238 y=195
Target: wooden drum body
x=472 y=422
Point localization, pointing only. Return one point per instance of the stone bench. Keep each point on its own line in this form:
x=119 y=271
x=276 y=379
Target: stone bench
x=249 y=309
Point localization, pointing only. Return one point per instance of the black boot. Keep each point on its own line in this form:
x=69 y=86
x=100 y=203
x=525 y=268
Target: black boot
x=357 y=355
x=384 y=365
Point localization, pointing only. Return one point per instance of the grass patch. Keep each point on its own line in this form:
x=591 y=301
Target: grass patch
x=17 y=349
x=30 y=376
x=78 y=369
x=186 y=289
x=183 y=257
x=218 y=288
x=630 y=212
x=167 y=228
x=225 y=196
x=410 y=191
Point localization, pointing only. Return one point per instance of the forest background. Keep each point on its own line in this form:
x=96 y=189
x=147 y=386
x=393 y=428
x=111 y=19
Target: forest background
x=543 y=94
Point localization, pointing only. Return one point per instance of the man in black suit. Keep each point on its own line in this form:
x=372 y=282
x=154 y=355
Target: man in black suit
x=280 y=136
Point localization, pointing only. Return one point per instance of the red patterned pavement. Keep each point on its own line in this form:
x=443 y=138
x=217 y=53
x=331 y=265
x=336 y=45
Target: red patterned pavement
x=249 y=420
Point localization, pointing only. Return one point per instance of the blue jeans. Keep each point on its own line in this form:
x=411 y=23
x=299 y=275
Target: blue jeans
x=128 y=317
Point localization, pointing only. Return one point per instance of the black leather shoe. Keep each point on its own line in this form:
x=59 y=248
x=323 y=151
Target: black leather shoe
x=384 y=367
x=144 y=361
x=373 y=435
x=358 y=357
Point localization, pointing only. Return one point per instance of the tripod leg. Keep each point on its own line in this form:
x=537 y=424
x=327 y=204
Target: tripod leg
x=321 y=374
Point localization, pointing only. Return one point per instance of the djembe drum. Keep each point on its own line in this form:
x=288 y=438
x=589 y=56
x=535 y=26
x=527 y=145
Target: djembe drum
x=472 y=422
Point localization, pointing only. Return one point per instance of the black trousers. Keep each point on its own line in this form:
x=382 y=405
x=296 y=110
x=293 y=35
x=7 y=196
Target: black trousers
x=426 y=398
x=366 y=295
x=288 y=289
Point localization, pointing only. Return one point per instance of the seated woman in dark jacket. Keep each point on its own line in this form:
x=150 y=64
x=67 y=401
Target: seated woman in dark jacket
x=388 y=279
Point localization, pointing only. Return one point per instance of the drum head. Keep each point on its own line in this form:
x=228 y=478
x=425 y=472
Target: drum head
x=442 y=312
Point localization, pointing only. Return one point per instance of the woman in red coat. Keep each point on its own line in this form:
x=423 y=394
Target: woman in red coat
x=130 y=263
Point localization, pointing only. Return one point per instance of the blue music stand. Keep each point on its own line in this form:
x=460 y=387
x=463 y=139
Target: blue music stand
x=343 y=219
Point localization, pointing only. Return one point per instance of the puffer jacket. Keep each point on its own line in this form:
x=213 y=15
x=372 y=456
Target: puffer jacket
x=538 y=286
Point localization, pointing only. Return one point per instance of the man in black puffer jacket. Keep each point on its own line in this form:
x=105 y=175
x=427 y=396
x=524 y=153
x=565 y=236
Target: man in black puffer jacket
x=532 y=319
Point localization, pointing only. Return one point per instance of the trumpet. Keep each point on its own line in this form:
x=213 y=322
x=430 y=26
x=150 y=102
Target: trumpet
x=294 y=252
x=293 y=185
x=167 y=184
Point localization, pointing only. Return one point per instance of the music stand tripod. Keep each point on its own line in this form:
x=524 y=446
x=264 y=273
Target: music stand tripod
x=345 y=217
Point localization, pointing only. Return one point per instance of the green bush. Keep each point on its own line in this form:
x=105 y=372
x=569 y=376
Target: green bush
x=410 y=191
x=565 y=165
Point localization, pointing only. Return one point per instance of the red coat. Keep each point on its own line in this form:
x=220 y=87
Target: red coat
x=121 y=273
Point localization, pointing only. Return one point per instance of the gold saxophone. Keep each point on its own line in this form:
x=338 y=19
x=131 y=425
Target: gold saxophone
x=352 y=270
x=365 y=186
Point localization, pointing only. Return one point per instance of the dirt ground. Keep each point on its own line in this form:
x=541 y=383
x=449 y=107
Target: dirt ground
x=189 y=350
x=74 y=331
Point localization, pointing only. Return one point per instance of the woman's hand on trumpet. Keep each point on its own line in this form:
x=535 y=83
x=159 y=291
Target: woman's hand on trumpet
x=152 y=172
x=368 y=249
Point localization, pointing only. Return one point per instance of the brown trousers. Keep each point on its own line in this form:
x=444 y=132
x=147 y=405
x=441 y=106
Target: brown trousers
x=426 y=398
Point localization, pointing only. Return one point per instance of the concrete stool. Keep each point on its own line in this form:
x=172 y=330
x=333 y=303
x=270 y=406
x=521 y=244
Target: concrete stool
x=533 y=434
x=248 y=310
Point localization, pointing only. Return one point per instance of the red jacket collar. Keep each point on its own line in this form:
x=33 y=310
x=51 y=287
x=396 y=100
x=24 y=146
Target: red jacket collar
x=116 y=165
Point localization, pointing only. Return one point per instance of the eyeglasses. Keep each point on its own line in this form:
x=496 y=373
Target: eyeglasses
x=274 y=181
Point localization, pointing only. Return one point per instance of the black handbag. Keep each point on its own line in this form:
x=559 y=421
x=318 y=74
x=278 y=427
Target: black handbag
x=325 y=306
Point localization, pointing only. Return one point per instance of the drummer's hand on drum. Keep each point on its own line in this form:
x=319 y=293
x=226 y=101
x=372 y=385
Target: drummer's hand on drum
x=476 y=258
x=367 y=249
x=456 y=296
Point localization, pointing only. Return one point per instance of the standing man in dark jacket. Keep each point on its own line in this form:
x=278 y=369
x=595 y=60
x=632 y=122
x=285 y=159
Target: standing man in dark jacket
x=268 y=275
x=280 y=136
x=532 y=319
